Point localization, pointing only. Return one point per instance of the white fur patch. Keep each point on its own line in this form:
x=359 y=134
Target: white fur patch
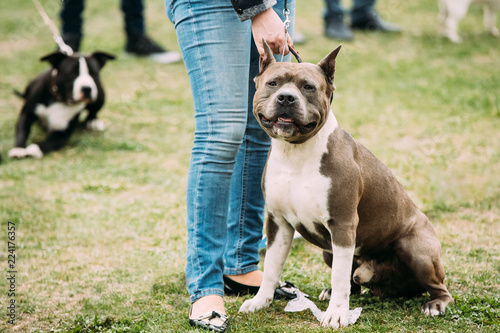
x=294 y=187
x=56 y=117
x=84 y=80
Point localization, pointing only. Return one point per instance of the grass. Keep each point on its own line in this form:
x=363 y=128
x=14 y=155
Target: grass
x=100 y=237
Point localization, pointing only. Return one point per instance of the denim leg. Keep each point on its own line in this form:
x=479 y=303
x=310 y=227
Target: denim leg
x=71 y=17
x=218 y=73
x=333 y=11
x=133 y=16
x=246 y=211
x=361 y=9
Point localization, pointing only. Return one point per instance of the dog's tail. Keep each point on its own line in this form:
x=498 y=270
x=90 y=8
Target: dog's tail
x=19 y=94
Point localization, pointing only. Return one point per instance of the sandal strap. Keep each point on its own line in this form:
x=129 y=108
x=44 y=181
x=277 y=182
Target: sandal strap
x=205 y=321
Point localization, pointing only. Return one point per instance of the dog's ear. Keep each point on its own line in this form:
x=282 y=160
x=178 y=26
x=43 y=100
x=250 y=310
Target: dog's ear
x=328 y=64
x=102 y=57
x=267 y=58
x=54 y=58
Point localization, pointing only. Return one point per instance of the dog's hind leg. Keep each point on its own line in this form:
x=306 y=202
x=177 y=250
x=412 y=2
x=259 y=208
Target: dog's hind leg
x=421 y=252
x=279 y=243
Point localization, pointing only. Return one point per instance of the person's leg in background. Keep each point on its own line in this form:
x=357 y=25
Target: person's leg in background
x=72 y=23
x=138 y=43
x=335 y=26
x=364 y=17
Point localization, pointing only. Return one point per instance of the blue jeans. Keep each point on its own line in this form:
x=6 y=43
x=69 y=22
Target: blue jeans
x=360 y=9
x=225 y=206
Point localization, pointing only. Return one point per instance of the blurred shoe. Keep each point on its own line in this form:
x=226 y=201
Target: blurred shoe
x=72 y=40
x=373 y=22
x=339 y=31
x=298 y=37
x=143 y=46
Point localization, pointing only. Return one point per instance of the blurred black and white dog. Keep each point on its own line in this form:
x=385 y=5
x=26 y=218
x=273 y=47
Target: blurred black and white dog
x=56 y=98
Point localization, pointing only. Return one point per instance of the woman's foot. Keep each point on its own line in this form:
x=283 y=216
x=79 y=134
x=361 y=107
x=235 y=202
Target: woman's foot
x=208 y=313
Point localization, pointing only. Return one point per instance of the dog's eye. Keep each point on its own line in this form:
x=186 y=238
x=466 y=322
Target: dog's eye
x=308 y=87
x=272 y=84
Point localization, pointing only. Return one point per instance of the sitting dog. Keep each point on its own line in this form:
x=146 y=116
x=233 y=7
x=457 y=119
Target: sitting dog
x=452 y=11
x=56 y=98
x=321 y=182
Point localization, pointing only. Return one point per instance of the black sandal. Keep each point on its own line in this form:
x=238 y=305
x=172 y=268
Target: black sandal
x=205 y=321
x=286 y=290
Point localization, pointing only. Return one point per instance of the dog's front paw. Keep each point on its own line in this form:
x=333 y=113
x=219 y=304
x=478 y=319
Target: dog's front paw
x=34 y=150
x=96 y=125
x=17 y=152
x=31 y=151
x=335 y=318
x=255 y=303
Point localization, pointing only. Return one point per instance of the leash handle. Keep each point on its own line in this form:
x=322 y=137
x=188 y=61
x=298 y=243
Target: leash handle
x=66 y=49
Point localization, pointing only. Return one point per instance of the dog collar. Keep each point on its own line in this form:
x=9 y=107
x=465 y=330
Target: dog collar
x=54 y=90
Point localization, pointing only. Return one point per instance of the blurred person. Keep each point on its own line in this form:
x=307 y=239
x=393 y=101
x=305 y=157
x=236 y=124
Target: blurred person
x=363 y=17
x=138 y=43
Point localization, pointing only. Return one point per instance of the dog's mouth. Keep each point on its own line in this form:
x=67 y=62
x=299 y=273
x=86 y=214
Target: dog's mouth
x=285 y=125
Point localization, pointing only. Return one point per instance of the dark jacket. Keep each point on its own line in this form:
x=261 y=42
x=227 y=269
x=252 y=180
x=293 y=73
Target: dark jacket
x=247 y=9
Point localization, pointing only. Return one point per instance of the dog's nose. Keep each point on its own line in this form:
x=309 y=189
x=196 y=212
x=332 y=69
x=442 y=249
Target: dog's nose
x=86 y=91
x=356 y=279
x=285 y=99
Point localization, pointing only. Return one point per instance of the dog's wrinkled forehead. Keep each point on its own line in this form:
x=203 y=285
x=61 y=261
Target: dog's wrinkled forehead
x=292 y=72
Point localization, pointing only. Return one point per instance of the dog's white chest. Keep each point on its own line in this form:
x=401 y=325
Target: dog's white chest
x=294 y=186
x=56 y=116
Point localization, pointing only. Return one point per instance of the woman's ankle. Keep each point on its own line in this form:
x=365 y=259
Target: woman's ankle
x=253 y=278
x=206 y=304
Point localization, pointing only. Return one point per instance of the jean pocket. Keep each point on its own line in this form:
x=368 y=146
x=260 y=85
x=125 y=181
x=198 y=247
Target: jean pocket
x=169 y=8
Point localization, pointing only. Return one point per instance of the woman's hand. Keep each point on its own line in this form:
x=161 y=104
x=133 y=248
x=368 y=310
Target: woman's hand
x=269 y=26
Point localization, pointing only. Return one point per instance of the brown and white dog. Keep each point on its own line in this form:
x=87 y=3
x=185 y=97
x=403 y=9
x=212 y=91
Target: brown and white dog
x=452 y=11
x=324 y=184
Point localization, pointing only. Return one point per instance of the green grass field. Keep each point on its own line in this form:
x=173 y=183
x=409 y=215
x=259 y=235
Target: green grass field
x=100 y=225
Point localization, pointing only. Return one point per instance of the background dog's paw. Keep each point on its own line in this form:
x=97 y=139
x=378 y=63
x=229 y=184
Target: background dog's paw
x=17 y=152
x=253 y=304
x=335 y=319
x=34 y=150
x=325 y=295
x=96 y=125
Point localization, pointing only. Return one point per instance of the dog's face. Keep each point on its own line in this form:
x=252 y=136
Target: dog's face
x=292 y=101
x=77 y=76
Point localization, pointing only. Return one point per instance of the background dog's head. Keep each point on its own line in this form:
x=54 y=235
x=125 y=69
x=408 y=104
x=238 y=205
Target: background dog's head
x=292 y=101
x=75 y=78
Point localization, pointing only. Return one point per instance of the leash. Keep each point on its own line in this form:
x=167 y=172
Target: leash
x=66 y=49
x=286 y=24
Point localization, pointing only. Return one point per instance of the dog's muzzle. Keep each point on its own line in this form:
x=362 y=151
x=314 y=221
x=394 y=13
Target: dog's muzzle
x=286 y=121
